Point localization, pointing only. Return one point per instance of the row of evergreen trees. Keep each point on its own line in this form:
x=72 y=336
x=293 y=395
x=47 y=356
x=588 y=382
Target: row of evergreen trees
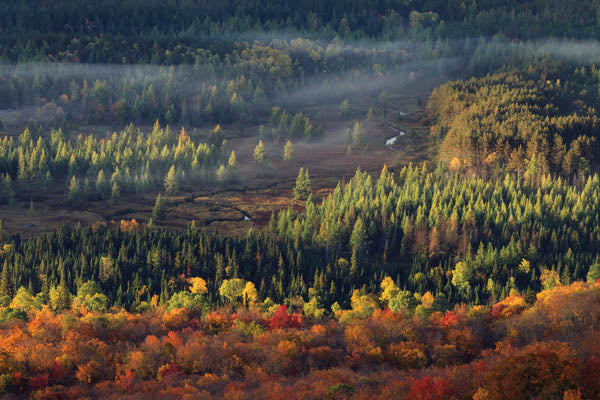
x=460 y=238
x=96 y=168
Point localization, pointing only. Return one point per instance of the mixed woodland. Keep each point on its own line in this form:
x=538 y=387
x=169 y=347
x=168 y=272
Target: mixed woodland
x=475 y=275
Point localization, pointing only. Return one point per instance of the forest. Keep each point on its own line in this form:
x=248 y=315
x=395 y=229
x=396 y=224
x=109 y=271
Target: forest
x=342 y=199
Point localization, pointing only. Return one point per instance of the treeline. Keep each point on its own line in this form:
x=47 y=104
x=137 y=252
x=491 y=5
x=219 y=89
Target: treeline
x=139 y=32
x=297 y=126
x=128 y=161
x=462 y=239
x=535 y=121
x=233 y=85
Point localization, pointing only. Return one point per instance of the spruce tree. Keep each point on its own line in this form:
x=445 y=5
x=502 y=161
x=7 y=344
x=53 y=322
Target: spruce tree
x=160 y=209
x=115 y=194
x=259 y=152
x=288 y=151
x=64 y=295
x=102 y=184
x=74 y=191
x=303 y=187
x=171 y=181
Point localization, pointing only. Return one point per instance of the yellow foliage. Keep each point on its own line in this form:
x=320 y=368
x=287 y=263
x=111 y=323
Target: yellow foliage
x=250 y=295
x=198 y=285
x=388 y=289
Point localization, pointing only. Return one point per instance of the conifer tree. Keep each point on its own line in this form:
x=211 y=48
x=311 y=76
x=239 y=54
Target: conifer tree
x=358 y=239
x=221 y=173
x=303 y=185
x=5 y=286
x=288 y=151
x=102 y=184
x=232 y=162
x=160 y=209
x=64 y=295
x=74 y=190
x=358 y=135
x=259 y=152
x=171 y=181
x=115 y=194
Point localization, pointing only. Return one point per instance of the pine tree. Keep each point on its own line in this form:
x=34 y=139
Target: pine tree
x=288 y=151
x=221 y=173
x=232 y=162
x=160 y=209
x=8 y=194
x=115 y=194
x=74 y=190
x=232 y=167
x=259 y=152
x=64 y=295
x=102 y=184
x=171 y=181
x=5 y=286
x=303 y=186
x=358 y=239
x=358 y=135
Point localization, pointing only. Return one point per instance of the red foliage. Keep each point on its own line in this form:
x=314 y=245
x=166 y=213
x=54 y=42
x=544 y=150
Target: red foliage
x=39 y=381
x=281 y=319
x=431 y=389
x=449 y=319
x=168 y=369
x=57 y=373
x=126 y=381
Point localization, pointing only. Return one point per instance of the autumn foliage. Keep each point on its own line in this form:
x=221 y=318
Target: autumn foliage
x=511 y=350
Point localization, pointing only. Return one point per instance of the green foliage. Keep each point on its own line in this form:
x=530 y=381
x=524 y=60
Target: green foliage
x=24 y=301
x=288 y=151
x=10 y=314
x=232 y=289
x=187 y=300
x=115 y=194
x=159 y=212
x=302 y=190
x=442 y=233
x=359 y=139
x=594 y=273
x=221 y=173
x=134 y=160
x=259 y=152
x=74 y=191
x=461 y=276
x=90 y=298
x=518 y=120
x=403 y=300
x=171 y=181
x=358 y=239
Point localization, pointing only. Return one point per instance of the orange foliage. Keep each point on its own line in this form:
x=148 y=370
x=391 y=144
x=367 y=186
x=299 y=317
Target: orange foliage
x=513 y=304
x=127 y=226
x=386 y=355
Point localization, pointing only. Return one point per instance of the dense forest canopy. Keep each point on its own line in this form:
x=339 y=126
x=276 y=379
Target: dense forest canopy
x=539 y=121
x=472 y=274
